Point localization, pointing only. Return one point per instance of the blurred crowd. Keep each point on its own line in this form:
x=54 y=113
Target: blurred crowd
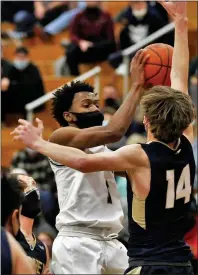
x=92 y=39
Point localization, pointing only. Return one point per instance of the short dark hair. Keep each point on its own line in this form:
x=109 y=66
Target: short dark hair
x=22 y=50
x=12 y=197
x=63 y=98
x=169 y=112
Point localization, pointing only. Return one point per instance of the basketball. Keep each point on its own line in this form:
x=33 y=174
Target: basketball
x=158 y=66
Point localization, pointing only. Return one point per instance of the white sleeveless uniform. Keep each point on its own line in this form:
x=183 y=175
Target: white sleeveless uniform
x=90 y=217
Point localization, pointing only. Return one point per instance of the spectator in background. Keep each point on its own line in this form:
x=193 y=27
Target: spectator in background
x=63 y=20
x=139 y=20
x=92 y=36
x=21 y=13
x=111 y=96
x=36 y=166
x=27 y=85
x=6 y=77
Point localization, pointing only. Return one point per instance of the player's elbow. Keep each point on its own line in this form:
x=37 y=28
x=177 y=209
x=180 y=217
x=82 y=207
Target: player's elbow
x=115 y=135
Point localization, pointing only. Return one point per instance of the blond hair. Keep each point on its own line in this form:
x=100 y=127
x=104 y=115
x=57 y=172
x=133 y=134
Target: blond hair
x=168 y=111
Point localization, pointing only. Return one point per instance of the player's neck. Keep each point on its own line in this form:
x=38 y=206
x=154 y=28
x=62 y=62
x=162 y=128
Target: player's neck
x=26 y=225
x=151 y=138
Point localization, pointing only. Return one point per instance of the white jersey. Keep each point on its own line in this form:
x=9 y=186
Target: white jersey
x=87 y=199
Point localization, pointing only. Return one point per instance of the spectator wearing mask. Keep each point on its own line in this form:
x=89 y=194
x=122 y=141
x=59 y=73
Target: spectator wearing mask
x=13 y=258
x=139 y=21
x=111 y=97
x=92 y=36
x=27 y=85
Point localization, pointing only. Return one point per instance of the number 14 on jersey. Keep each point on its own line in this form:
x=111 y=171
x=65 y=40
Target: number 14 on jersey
x=183 y=188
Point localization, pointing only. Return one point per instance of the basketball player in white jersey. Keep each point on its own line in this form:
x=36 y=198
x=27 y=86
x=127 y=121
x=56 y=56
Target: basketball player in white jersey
x=90 y=215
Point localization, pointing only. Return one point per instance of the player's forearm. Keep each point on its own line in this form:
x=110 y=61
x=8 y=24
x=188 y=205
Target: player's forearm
x=67 y=156
x=122 y=119
x=180 y=61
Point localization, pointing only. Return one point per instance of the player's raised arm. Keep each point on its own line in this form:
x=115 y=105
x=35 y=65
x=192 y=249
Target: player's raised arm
x=180 y=61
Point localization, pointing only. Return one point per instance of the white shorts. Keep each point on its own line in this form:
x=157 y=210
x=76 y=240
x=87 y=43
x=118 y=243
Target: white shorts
x=84 y=255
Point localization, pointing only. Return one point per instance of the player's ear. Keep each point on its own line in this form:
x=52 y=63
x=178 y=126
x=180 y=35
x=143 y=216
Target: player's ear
x=146 y=123
x=69 y=117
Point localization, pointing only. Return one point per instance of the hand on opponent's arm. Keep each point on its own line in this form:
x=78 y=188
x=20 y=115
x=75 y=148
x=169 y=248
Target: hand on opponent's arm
x=126 y=158
x=119 y=123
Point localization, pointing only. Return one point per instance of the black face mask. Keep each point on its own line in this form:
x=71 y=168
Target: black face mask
x=87 y=120
x=110 y=102
x=31 y=206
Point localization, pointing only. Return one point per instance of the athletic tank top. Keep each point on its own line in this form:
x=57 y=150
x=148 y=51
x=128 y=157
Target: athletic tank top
x=37 y=252
x=6 y=258
x=158 y=224
x=87 y=199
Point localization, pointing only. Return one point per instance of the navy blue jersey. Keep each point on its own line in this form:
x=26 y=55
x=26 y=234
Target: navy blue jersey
x=36 y=252
x=6 y=258
x=165 y=211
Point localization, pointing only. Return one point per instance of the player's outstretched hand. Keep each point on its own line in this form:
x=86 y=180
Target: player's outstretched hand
x=137 y=67
x=27 y=133
x=177 y=9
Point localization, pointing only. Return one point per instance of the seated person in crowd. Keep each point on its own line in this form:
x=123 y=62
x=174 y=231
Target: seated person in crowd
x=60 y=22
x=139 y=21
x=92 y=36
x=27 y=84
x=21 y=13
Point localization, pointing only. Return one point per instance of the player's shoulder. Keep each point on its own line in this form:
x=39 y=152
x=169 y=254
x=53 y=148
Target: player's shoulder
x=138 y=154
x=63 y=134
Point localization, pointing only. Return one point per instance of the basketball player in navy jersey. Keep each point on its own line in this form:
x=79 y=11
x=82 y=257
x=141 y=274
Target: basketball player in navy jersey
x=162 y=171
x=13 y=257
x=36 y=251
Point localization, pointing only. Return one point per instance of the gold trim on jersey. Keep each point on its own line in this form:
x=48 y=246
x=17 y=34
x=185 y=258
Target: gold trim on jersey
x=138 y=211
x=173 y=149
x=135 y=271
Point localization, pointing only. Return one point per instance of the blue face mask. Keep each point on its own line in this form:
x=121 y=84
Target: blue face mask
x=21 y=64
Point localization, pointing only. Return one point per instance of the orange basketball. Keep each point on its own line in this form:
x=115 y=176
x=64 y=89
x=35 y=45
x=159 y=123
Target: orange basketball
x=158 y=66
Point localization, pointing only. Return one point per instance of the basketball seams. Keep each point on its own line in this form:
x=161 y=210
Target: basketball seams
x=167 y=67
x=157 y=65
